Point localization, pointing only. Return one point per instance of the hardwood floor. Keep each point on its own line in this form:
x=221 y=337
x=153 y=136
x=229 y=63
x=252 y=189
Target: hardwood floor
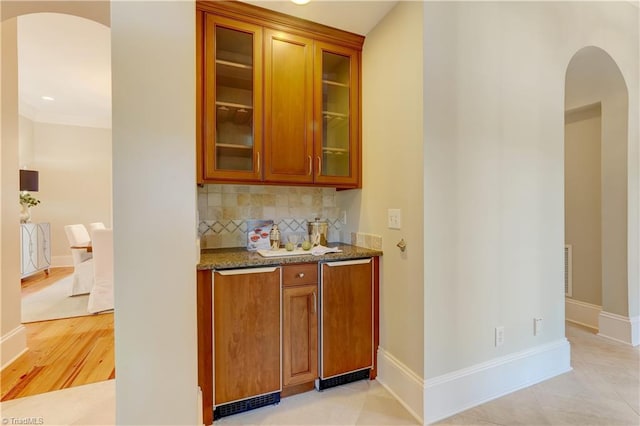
x=62 y=353
x=40 y=280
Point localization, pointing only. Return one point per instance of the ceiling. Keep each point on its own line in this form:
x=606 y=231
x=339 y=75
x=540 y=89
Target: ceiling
x=69 y=58
x=356 y=16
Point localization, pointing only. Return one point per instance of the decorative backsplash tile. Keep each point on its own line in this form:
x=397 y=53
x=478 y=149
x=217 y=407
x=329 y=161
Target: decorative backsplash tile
x=224 y=210
x=370 y=241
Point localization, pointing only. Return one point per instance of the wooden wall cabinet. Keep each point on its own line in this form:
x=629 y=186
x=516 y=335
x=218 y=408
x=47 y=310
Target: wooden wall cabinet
x=299 y=325
x=296 y=114
x=232 y=105
x=288 y=108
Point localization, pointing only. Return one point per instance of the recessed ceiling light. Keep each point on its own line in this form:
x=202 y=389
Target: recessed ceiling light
x=301 y=2
x=47 y=98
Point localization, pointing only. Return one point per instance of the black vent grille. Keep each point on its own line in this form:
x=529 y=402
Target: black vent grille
x=246 y=405
x=344 y=379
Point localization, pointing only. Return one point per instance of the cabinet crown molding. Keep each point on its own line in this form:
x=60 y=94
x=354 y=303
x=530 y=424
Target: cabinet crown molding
x=281 y=22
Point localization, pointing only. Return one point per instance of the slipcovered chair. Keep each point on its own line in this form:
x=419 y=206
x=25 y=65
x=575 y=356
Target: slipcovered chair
x=101 y=296
x=82 y=259
x=95 y=225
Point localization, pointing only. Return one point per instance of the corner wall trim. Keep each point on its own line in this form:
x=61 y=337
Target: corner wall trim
x=620 y=328
x=12 y=345
x=454 y=392
x=583 y=313
x=401 y=382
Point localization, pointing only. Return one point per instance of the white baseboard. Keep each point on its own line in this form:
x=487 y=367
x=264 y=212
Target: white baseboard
x=460 y=390
x=620 y=328
x=12 y=345
x=582 y=313
x=60 y=261
x=405 y=385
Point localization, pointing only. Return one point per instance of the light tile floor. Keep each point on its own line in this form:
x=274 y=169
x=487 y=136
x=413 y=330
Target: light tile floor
x=602 y=389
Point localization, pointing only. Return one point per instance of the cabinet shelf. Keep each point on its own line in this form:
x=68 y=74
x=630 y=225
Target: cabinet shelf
x=336 y=151
x=233 y=146
x=335 y=83
x=233 y=105
x=233 y=64
x=234 y=74
x=331 y=115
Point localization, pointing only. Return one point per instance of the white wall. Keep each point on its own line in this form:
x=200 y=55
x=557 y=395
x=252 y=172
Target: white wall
x=494 y=231
x=26 y=154
x=582 y=201
x=615 y=281
x=13 y=340
x=153 y=74
x=392 y=160
x=74 y=165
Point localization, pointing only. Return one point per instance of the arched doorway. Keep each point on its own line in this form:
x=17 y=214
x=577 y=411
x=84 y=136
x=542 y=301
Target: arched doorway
x=596 y=194
x=92 y=13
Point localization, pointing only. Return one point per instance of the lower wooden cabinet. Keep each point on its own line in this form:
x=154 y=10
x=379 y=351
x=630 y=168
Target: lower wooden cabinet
x=246 y=333
x=299 y=324
x=316 y=322
x=347 y=329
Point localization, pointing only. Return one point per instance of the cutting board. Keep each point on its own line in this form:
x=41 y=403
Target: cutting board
x=283 y=252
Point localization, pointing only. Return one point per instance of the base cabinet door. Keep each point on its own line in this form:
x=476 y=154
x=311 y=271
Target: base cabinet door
x=246 y=333
x=300 y=334
x=346 y=317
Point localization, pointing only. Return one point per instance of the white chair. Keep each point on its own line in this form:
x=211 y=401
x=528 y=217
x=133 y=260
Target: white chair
x=101 y=296
x=95 y=225
x=82 y=259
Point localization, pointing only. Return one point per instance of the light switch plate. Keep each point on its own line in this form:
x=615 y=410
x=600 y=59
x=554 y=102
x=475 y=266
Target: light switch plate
x=394 y=219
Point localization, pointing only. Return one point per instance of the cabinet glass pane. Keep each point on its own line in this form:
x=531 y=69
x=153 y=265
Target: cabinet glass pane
x=335 y=114
x=234 y=100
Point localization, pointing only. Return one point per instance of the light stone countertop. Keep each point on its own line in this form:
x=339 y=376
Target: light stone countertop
x=240 y=257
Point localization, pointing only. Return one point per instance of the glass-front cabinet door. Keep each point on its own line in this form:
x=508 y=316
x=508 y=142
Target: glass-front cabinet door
x=233 y=100
x=337 y=140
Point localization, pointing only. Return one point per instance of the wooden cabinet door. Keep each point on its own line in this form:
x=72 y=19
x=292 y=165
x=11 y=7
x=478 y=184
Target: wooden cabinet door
x=300 y=334
x=232 y=101
x=246 y=333
x=288 y=109
x=346 y=317
x=337 y=115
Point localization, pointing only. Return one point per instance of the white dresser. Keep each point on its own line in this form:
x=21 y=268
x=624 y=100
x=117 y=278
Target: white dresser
x=35 y=241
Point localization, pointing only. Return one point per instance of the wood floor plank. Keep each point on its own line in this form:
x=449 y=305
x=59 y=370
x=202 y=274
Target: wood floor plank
x=99 y=358
x=61 y=353
x=40 y=280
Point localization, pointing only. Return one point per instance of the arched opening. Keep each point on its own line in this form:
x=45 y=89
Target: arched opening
x=67 y=140
x=596 y=140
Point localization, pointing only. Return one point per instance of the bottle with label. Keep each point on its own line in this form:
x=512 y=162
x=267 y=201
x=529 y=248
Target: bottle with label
x=274 y=238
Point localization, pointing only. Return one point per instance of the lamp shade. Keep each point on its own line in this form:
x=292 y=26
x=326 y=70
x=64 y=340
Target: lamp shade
x=28 y=180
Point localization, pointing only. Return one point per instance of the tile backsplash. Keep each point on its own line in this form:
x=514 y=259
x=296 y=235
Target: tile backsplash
x=224 y=210
x=362 y=239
